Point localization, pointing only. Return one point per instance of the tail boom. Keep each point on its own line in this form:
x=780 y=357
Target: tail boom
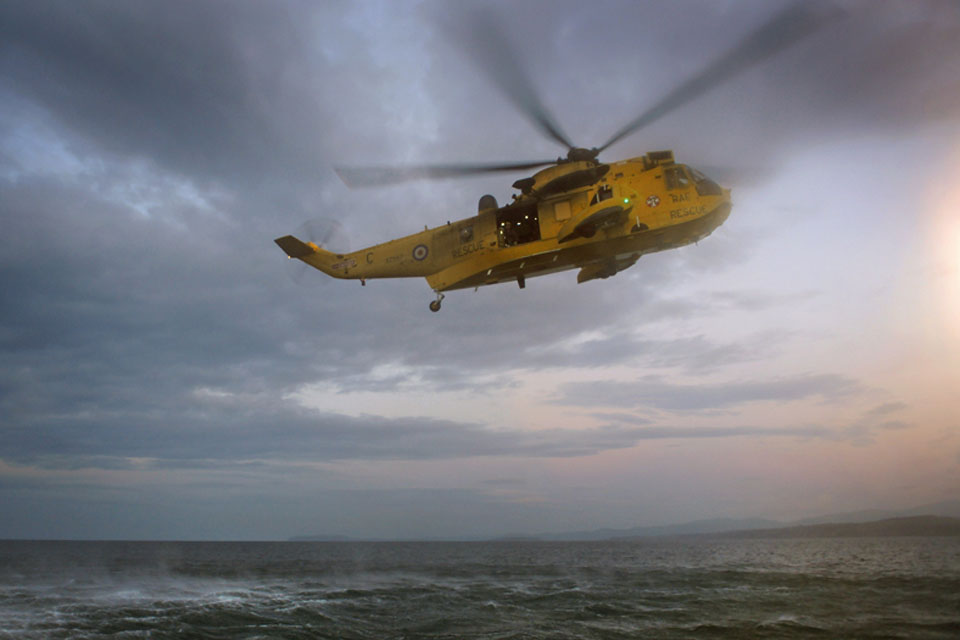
x=337 y=266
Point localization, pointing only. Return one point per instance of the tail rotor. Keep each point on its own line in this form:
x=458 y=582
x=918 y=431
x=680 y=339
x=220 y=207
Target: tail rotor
x=322 y=233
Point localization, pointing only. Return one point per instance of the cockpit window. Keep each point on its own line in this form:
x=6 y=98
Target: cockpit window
x=705 y=186
x=605 y=192
x=676 y=178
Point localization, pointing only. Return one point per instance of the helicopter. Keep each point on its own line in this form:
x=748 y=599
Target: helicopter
x=578 y=212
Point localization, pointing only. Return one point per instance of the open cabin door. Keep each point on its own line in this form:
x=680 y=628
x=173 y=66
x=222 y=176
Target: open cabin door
x=518 y=224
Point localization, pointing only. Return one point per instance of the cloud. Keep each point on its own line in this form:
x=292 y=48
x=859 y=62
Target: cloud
x=250 y=442
x=271 y=94
x=196 y=297
x=121 y=331
x=243 y=433
x=149 y=154
x=207 y=430
x=882 y=417
x=879 y=69
x=213 y=92
x=507 y=483
x=886 y=409
x=652 y=391
x=696 y=353
x=660 y=433
x=136 y=336
x=629 y=418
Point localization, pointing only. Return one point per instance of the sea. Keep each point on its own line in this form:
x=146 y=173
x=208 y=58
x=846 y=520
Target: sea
x=656 y=588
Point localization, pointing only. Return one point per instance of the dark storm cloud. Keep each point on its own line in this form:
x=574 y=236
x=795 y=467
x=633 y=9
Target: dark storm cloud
x=119 y=317
x=112 y=316
x=885 y=67
x=236 y=431
x=90 y=283
x=880 y=67
x=653 y=391
x=243 y=89
x=228 y=433
x=212 y=90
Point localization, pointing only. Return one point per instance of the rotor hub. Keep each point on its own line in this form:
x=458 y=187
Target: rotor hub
x=579 y=154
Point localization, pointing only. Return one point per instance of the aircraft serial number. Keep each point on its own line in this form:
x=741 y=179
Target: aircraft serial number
x=346 y=264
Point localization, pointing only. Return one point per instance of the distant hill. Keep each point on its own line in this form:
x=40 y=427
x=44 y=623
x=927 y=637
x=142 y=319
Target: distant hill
x=941 y=518
x=949 y=509
x=909 y=526
x=715 y=525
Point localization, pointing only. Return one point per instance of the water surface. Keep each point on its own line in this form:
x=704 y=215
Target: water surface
x=674 y=588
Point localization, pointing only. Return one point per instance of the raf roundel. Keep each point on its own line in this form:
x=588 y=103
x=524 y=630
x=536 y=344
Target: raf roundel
x=653 y=201
x=420 y=252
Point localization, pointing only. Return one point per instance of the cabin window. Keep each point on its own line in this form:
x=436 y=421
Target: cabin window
x=676 y=178
x=605 y=192
x=518 y=225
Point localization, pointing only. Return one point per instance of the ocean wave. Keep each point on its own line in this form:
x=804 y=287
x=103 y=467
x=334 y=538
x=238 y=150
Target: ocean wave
x=569 y=590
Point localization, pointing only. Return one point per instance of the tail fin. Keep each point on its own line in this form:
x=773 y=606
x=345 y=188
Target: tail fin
x=335 y=265
x=295 y=248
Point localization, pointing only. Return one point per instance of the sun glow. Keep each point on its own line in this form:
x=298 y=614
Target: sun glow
x=949 y=219
x=943 y=207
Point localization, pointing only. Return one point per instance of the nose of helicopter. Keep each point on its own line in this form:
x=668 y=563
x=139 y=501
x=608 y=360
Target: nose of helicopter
x=711 y=194
x=726 y=203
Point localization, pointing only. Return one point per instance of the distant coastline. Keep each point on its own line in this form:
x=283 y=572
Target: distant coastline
x=908 y=526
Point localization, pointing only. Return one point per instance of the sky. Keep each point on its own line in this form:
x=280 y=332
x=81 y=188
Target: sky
x=162 y=375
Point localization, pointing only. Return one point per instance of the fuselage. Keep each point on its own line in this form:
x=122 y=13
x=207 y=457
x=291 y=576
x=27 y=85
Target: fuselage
x=599 y=218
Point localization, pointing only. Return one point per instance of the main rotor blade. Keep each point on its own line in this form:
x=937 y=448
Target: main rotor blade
x=790 y=25
x=378 y=176
x=485 y=41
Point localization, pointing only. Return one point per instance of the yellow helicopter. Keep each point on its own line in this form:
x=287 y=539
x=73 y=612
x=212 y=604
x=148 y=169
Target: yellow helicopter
x=579 y=212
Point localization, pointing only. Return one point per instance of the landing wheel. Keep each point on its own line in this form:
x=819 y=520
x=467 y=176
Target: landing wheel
x=435 y=306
